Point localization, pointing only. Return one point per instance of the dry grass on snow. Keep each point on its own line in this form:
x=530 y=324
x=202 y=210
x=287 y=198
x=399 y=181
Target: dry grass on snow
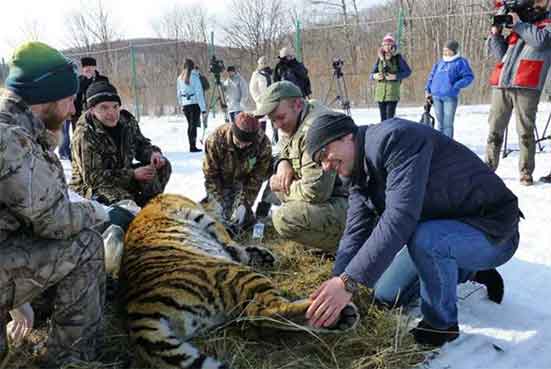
x=379 y=342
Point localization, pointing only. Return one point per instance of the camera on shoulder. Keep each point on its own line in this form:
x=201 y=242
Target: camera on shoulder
x=524 y=8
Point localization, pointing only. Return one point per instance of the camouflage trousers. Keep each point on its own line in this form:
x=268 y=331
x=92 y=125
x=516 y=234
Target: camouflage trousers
x=314 y=225
x=139 y=192
x=525 y=103
x=76 y=270
x=145 y=191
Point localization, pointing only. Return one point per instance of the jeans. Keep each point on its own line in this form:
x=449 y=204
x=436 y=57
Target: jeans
x=387 y=109
x=193 y=117
x=444 y=108
x=440 y=255
x=65 y=147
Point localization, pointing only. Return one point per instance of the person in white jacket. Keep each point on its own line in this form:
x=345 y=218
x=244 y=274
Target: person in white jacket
x=260 y=80
x=236 y=91
x=192 y=100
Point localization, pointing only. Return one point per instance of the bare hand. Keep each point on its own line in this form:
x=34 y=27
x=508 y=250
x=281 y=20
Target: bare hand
x=391 y=77
x=283 y=178
x=22 y=323
x=328 y=301
x=378 y=76
x=496 y=30
x=157 y=160
x=145 y=173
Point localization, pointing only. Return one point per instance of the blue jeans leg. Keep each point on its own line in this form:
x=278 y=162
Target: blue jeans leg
x=448 y=252
x=444 y=108
x=65 y=147
x=399 y=284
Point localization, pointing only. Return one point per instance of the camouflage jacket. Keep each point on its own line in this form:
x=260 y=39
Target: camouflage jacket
x=33 y=192
x=227 y=166
x=102 y=168
x=311 y=183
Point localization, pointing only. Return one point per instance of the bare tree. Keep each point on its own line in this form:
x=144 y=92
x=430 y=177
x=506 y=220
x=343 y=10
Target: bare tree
x=93 y=28
x=258 y=27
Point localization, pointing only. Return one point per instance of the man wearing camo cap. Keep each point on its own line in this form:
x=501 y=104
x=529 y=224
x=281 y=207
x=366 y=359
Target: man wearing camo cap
x=314 y=202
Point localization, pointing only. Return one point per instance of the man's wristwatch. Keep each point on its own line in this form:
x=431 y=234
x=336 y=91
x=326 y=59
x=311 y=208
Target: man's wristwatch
x=350 y=285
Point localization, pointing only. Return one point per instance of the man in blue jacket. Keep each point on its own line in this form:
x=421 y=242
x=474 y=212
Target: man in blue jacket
x=410 y=184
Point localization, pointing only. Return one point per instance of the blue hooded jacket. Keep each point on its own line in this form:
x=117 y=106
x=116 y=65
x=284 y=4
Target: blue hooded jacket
x=406 y=173
x=447 y=78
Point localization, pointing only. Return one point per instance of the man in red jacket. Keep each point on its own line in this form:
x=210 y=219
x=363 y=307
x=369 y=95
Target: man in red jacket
x=519 y=78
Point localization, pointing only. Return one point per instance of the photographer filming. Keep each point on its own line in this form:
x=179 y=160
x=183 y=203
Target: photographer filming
x=290 y=69
x=519 y=77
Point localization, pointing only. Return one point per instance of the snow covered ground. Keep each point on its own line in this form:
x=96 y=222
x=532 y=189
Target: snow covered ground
x=515 y=334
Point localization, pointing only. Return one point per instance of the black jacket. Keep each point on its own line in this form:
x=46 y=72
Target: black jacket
x=407 y=173
x=293 y=71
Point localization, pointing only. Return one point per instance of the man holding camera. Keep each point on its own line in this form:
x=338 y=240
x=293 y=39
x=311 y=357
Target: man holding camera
x=519 y=78
x=290 y=69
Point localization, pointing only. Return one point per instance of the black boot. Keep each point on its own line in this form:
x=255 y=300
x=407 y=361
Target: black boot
x=546 y=179
x=194 y=149
x=493 y=282
x=425 y=334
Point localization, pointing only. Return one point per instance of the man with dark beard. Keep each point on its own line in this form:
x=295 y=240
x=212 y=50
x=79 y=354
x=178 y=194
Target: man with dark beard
x=45 y=240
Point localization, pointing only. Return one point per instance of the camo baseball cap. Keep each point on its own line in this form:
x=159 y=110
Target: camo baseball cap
x=274 y=94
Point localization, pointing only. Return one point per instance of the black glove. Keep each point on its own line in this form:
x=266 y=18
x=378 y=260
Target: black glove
x=120 y=216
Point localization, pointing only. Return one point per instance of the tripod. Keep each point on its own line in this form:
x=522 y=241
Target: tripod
x=217 y=94
x=342 y=91
x=539 y=139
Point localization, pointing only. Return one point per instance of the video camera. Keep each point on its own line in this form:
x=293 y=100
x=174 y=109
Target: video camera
x=216 y=67
x=524 y=9
x=338 y=63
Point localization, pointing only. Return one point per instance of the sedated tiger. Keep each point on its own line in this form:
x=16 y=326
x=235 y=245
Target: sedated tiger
x=183 y=274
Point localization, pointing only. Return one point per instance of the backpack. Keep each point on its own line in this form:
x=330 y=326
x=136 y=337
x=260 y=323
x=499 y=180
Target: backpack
x=204 y=82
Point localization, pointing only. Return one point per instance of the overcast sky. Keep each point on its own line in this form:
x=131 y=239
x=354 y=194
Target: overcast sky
x=49 y=17
x=134 y=17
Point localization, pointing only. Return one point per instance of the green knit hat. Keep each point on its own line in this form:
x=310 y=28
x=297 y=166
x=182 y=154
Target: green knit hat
x=41 y=74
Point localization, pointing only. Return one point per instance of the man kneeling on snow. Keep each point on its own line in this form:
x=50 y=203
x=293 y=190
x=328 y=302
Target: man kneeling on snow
x=106 y=141
x=412 y=185
x=45 y=239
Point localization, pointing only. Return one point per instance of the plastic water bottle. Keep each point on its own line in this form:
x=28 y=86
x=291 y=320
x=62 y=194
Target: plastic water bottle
x=258 y=231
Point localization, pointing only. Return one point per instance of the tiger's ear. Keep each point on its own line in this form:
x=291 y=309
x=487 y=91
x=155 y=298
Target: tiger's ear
x=113 y=244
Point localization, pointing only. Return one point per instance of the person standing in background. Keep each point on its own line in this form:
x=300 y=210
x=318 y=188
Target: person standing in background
x=192 y=99
x=290 y=69
x=236 y=91
x=447 y=77
x=389 y=71
x=261 y=79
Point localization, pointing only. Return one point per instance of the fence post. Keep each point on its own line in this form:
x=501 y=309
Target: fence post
x=400 y=28
x=134 y=82
x=298 y=41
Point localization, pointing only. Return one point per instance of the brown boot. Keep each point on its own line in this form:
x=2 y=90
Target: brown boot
x=526 y=180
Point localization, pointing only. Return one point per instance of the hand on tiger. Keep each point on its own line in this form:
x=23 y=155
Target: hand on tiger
x=145 y=173
x=327 y=303
x=157 y=160
x=120 y=216
x=22 y=323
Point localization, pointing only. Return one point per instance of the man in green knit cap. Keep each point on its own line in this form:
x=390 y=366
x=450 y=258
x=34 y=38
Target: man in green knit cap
x=45 y=240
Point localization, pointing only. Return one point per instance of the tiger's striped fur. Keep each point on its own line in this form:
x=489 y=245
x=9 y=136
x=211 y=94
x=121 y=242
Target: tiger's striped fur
x=183 y=275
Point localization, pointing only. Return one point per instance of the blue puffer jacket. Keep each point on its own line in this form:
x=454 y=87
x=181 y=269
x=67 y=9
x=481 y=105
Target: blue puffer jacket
x=192 y=93
x=448 y=77
x=407 y=173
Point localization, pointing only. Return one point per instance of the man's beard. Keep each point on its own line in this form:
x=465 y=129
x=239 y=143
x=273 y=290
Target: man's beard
x=53 y=119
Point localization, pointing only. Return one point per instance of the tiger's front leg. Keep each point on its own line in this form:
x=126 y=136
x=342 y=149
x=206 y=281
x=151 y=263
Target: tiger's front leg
x=288 y=315
x=252 y=255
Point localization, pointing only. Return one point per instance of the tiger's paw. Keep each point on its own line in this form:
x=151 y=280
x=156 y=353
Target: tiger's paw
x=349 y=318
x=260 y=256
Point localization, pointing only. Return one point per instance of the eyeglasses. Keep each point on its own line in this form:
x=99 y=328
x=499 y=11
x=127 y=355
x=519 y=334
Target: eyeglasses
x=63 y=68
